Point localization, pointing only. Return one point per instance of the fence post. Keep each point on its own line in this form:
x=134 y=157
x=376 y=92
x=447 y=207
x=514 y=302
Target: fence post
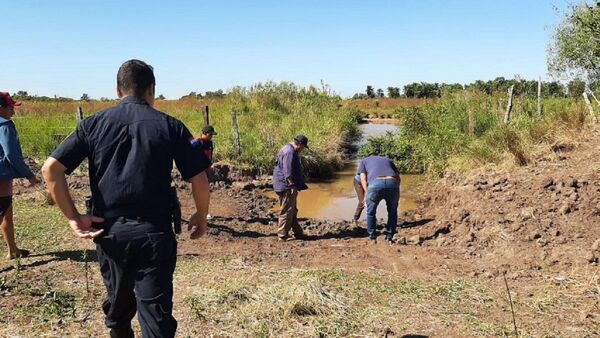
x=471 y=121
x=511 y=92
x=594 y=97
x=236 y=133
x=205 y=113
x=79 y=114
x=539 y=97
x=589 y=106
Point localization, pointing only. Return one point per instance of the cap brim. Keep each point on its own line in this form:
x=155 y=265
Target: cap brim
x=16 y=103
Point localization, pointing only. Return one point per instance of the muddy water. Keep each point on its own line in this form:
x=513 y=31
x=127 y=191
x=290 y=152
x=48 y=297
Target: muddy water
x=335 y=199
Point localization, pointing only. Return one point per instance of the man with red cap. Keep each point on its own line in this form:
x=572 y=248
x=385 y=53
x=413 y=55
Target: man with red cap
x=12 y=166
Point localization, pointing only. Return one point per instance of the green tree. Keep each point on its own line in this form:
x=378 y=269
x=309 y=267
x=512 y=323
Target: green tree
x=370 y=92
x=213 y=94
x=22 y=95
x=85 y=97
x=576 y=88
x=191 y=95
x=380 y=93
x=393 y=92
x=160 y=97
x=554 y=89
x=575 y=47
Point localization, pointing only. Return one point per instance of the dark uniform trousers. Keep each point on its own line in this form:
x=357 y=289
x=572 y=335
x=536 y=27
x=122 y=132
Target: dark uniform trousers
x=137 y=261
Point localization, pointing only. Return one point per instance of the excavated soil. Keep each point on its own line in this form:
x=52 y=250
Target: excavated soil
x=534 y=224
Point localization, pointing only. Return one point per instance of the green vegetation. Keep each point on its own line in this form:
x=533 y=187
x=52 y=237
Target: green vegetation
x=436 y=136
x=575 y=48
x=269 y=115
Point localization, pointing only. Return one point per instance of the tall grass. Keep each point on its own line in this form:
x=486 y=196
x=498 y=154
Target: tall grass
x=435 y=137
x=269 y=115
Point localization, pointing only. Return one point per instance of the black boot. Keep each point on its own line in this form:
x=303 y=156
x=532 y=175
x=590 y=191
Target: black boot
x=125 y=332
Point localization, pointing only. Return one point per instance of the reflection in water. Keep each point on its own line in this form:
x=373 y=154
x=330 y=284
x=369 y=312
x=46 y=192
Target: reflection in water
x=335 y=199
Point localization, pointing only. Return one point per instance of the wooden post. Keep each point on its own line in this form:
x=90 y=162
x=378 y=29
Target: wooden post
x=511 y=92
x=471 y=121
x=539 y=101
x=79 y=114
x=594 y=97
x=589 y=106
x=205 y=113
x=236 y=133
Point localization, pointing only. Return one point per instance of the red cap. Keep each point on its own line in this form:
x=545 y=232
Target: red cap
x=7 y=101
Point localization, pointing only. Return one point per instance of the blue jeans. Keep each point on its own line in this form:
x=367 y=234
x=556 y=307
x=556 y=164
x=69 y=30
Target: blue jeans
x=382 y=189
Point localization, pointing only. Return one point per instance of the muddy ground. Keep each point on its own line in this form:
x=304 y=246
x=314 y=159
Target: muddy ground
x=538 y=226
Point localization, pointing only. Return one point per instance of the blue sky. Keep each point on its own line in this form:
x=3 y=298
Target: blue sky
x=70 y=47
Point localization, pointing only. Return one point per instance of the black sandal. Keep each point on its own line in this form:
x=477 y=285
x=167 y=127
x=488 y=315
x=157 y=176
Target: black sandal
x=22 y=254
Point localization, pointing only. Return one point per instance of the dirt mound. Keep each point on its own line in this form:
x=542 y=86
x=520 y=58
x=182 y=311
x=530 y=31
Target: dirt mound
x=532 y=217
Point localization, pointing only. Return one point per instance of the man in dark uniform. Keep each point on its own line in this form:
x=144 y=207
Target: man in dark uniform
x=131 y=148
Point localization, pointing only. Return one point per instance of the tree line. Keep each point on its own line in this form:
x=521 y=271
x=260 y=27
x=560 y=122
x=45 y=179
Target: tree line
x=23 y=95
x=500 y=85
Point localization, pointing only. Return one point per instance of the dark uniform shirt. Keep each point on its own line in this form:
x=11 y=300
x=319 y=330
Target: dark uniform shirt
x=207 y=147
x=131 y=148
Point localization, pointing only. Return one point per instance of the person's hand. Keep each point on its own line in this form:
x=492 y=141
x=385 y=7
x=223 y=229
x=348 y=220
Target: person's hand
x=198 y=226
x=33 y=180
x=83 y=226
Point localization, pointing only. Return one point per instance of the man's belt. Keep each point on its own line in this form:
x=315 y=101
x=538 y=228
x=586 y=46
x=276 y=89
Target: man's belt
x=134 y=213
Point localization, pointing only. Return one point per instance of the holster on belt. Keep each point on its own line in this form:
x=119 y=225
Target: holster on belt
x=175 y=207
x=89 y=205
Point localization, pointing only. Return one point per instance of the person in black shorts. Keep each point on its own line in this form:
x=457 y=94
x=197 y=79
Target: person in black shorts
x=12 y=166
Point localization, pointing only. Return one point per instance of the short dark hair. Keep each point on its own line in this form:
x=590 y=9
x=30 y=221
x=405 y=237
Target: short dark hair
x=135 y=77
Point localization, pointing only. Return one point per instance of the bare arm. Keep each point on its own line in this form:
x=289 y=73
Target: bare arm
x=54 y=175
x=363 y=182
x=201 y=194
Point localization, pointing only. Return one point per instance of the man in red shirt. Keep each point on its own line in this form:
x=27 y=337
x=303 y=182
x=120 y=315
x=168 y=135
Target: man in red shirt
x=205 y=139
x=207 y=146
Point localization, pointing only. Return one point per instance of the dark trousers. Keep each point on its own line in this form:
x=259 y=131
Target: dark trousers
x=288 y=215
x=382 y=189
x=137 y=261
x=360 y=193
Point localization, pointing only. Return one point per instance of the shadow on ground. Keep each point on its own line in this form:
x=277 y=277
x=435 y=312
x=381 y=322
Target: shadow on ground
x=79 y=256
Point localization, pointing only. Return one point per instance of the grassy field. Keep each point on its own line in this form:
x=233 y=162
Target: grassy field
x=435 y=134
x=435 y=137
x=269 y=116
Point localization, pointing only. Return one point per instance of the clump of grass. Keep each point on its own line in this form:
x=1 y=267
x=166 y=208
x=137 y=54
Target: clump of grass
x=196 y=307
x=269 y=115
x=436 y=137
